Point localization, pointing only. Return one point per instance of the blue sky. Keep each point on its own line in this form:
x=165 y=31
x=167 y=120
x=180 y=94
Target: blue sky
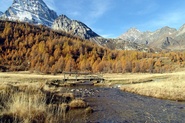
x=111 y=18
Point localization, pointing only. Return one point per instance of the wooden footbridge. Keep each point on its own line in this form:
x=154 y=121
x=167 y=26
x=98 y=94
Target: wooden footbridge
x=82 y=76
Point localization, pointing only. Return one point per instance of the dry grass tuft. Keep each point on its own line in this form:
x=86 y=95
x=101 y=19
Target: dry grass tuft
x=69 y=96
x=77 y=103
x=64 y=107
x=25 y=107
x=28 y=104
x=31 y=107
x=89 y=110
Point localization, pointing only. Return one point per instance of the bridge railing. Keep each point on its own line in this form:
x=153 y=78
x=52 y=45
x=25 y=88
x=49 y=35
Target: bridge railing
x=77 y=76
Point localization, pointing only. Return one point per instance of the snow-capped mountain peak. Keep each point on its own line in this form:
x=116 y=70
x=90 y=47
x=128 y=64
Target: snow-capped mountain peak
x=32 y=11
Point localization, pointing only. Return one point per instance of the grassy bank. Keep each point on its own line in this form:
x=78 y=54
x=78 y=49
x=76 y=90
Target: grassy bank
x=170 y=87
x=27 y=98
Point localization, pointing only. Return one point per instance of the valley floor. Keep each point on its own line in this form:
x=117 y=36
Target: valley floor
x=165 y=86
x=25 y=87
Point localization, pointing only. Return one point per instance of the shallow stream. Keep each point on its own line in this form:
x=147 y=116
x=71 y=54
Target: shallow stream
x=112 y=105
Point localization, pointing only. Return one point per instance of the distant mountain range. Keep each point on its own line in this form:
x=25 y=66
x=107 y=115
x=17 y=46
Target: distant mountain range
x=164 y=38
x=37 y=12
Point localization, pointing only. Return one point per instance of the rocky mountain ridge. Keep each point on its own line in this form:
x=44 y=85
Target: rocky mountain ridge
x=76 y=28
x=79 y=29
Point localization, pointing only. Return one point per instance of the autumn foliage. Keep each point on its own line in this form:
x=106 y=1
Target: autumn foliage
x=40 y=49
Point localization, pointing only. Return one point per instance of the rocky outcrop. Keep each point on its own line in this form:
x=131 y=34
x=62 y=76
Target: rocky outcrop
x=32 y=11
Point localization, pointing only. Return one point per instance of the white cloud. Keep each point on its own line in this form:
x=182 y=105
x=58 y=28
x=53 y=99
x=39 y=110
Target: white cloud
x=147 y=9
x=72 y=8
x=99 y=7
x=172 y=18
x=108 y=36
x=87 y=11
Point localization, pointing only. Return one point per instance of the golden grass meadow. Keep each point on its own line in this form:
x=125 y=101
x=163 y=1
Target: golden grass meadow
x=25 y=97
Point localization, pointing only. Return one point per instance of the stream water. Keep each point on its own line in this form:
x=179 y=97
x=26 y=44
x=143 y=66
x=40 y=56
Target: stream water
x=112 y=105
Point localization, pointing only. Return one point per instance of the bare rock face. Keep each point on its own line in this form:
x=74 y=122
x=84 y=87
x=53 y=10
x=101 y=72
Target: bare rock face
x=74 y=27
x=32 y=11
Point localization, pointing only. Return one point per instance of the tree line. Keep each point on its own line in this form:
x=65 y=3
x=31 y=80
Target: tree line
x=40 y=49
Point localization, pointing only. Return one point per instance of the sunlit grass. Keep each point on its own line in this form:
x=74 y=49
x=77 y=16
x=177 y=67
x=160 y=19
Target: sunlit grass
x=171 y=88
x=27 y=104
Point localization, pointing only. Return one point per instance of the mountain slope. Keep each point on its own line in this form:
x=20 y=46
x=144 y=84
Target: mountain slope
x=40 y=49
x=79 y=29
x=32 y=11
x=76 y=28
